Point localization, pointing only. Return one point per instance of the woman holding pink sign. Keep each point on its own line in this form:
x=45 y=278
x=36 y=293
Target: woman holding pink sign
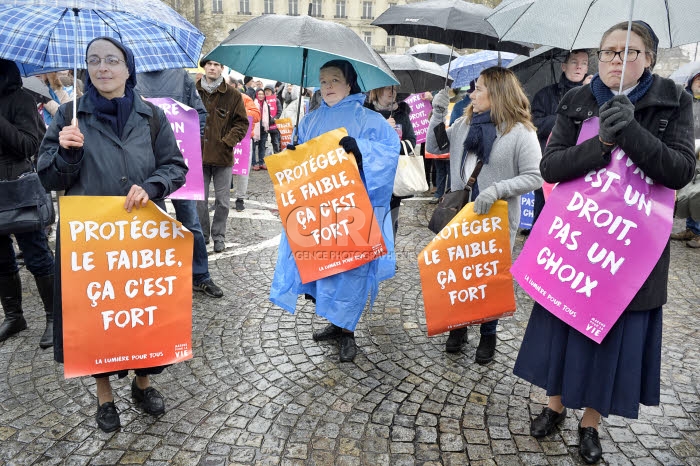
x=650 y=119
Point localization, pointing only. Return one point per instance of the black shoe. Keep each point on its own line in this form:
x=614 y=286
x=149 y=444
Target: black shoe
x=328 y=333
x=348 y=348
x=525 y=232
x=240 y=207
x=151 y=400
x=589 y=444
x=486 y=349
x=545 y=422
x=219 y=246
x=209 y=288
x=107 y=417
x=455 y=340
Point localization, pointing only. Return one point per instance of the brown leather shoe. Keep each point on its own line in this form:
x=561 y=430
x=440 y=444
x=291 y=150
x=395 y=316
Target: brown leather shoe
x=686 y=235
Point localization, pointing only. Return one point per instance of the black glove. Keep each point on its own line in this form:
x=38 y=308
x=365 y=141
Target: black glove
x=291 y=147
x=349 y=144
x=615 y=115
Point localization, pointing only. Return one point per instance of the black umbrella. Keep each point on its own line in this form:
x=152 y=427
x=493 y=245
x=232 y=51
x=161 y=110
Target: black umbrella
x=436 y=53
x=456 y=23
x=415 y=75
x=542 y=68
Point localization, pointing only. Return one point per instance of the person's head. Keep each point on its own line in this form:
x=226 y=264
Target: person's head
x=259 y=94
x=694 y=85
x=641 y=54
x=575 y=65
x=258 y=84
x=269 y=90
x=384 y=96
x=247 y=81
x=212 y=70
x=110 y=66
x=338 y=80
x=498 y=90
x=278 y=86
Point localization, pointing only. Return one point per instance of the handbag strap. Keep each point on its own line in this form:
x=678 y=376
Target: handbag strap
x=475 y=173
x=406 y=144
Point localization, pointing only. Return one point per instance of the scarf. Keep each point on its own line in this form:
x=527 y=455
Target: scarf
x=389 y=108
x=264 y=119
x=602 y=93
x=482 y=133
x=115 y=111
x=211 y=87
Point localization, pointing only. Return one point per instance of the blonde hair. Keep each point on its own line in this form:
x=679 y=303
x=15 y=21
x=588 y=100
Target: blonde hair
x=374 y=93
x=509 y=104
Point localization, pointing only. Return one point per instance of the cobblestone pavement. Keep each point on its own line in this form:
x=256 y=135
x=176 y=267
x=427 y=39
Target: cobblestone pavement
x=261 y=391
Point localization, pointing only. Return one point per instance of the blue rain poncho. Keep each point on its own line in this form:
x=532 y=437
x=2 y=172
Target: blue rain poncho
x=341 y=298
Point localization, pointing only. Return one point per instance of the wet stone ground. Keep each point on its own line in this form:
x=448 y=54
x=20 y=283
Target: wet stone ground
x=260 y=391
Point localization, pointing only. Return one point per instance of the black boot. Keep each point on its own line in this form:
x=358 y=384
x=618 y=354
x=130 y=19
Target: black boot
x=11 y=298
x=329 y=332
x=486 y=349
x=348 y=348
x=455 y=340
x=45 y=286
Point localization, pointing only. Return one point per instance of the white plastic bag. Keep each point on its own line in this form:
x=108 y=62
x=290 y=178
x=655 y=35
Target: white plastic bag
x=410 y=173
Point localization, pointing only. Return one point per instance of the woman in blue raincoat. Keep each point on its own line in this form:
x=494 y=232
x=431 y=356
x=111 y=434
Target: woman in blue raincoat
x=341 y=298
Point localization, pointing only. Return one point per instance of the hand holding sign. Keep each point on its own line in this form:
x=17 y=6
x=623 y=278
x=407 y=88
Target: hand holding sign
x=326 y=212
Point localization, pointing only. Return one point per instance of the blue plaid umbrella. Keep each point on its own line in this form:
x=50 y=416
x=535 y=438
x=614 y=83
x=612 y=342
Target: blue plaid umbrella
x=466 y=68
x=53 y=34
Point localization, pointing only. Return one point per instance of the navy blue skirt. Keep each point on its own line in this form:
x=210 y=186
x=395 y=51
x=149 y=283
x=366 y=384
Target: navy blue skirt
x=613 y=377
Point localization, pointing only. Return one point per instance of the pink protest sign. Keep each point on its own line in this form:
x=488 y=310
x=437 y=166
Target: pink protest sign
x=595 y=243
x=241 y=153
x=184 y=121
x=420 y=116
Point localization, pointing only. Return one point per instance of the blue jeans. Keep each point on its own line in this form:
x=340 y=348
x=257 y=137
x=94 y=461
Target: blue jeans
x=186 y=213
x=488 y=328
x=442 y=171
x=258 y=155
x=37 y=255
x=692 y=225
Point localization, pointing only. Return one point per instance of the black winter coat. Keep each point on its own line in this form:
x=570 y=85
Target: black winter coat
x=668 y=160
x=545 y=105
x=21 y=130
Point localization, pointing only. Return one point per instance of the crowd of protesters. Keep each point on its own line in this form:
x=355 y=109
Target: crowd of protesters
x=518 y=144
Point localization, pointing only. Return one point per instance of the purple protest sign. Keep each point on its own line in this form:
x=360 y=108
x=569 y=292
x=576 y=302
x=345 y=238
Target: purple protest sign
x=184 y=121
x=420 y=116
x=595 y=243
x=241 y=153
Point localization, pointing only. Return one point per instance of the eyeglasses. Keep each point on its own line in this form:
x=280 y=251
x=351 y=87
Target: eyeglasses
x=606 y=56
x=110 y=60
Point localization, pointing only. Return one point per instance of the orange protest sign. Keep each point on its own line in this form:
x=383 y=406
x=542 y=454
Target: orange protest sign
x=126 y=286
x=465 y=271
x=286 y=128
x=324 y=207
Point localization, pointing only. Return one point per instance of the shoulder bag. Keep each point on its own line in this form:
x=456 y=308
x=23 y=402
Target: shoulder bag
x=452 y=202
x=25 y=205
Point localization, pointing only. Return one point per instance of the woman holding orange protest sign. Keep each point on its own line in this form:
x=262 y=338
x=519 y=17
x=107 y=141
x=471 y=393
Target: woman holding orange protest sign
x=497 y=129
x=341 y=298
x=118 y=145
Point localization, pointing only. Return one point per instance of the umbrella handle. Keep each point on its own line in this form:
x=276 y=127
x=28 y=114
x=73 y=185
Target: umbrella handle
x=449 y=64
x=627 y=45
x=301 y=101
x=75 y=70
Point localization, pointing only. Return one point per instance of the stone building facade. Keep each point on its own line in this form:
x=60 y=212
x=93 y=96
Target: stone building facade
x=215 y=18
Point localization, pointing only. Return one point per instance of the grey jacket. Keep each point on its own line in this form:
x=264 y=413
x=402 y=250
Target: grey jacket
x=110 y=166
x=513 y=168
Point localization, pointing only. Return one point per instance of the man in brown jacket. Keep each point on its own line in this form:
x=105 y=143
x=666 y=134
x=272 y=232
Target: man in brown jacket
x=227 y=124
